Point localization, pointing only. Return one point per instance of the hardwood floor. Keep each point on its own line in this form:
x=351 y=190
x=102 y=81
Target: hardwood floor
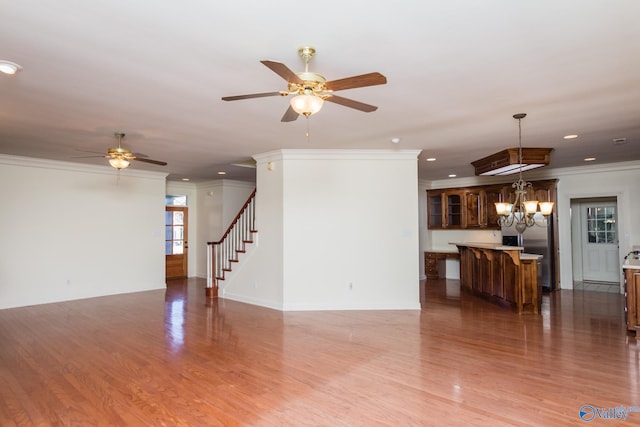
x=169 y=358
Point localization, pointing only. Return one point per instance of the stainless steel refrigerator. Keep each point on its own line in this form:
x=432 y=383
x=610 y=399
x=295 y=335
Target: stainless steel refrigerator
x=537 y=239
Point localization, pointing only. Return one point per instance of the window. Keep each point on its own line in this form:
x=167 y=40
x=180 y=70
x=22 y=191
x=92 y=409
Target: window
x=174 y=232
x=175 y=200
x=601 y=224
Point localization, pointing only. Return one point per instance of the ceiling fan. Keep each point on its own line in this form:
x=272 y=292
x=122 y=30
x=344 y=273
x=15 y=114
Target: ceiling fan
x=312 y=89
x=120 y=157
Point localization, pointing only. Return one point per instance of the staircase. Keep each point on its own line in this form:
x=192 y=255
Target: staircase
x=222 y=254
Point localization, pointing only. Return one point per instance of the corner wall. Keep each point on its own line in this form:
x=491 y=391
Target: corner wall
x=338 y=229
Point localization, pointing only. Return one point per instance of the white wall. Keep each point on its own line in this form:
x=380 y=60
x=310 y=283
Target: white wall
x=75 y=231
x=621 y=180
x=258 y=276
x=338 y=229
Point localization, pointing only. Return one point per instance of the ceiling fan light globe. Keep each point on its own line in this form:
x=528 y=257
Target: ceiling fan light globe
x=119 y=163
x=8 y=67
x=306 y=105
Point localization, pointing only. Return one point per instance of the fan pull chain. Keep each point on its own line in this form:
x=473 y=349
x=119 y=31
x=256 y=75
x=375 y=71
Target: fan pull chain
x=308 y=132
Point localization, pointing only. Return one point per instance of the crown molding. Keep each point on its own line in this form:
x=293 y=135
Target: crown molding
x=32 y=162
x=336 y=154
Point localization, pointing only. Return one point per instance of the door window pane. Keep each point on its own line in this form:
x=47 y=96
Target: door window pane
x=601 y=225
x=174 y=233
x=178 y=218
x=178 y=232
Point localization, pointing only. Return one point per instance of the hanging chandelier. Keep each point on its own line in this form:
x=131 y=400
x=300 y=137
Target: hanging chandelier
x=522 y=211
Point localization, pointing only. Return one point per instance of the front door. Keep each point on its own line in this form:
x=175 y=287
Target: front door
x=600 y=242
x=176 y=245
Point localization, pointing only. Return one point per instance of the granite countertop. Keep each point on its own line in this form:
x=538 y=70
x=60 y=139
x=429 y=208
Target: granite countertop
x=443 y=251
x=494 y=246
x=631 y=266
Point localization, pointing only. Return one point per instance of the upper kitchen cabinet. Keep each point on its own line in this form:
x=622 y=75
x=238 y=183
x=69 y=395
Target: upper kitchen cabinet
x=494 y=194
x=474 y=207
x=475 y=212
x=435 y=215
x=445 y=209
x=480 y=211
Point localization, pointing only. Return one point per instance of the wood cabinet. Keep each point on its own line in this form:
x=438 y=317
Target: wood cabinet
x=493 y=195
x=474 y=207
x=632 y=298
x=445 y=209
x=435 y=214
x=431 y=261
x=502 y=275
x=460 y=209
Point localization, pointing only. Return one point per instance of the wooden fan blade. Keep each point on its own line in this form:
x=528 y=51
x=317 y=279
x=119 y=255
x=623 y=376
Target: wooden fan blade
x=283 y=71
x=363 y=80
x=290 y=115
x=351 y=103
x=253 y=95
x=155 y=162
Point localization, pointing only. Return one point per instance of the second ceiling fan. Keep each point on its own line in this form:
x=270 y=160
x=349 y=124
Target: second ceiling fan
x=312 y=89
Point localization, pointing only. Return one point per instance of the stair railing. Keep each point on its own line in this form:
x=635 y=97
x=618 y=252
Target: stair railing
x=225 y=251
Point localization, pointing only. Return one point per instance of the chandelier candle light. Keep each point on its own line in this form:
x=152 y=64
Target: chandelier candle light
x=521 y=212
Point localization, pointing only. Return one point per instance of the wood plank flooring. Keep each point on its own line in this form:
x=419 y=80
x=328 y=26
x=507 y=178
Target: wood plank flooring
x=169 y=358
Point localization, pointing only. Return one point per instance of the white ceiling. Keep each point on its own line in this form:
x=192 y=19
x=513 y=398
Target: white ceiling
x=457 y=71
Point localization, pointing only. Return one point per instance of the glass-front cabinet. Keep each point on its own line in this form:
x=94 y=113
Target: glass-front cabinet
x=444 y=209
x=434 y=212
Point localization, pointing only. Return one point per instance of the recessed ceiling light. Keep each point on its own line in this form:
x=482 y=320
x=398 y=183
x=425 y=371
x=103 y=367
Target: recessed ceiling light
x=573 y=136
x=222 y=173
x=589 y=159
x=185 y=179
x=9 y=67
x=395 y=140
x=452 y=175
x=431 y=159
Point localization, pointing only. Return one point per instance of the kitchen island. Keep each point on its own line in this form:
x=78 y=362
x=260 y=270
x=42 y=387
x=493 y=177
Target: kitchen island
x=632 y=296
x=501 y=274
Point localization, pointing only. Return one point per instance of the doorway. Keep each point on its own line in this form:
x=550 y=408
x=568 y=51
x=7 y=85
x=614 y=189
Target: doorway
x=176 y=245
x=595 y=243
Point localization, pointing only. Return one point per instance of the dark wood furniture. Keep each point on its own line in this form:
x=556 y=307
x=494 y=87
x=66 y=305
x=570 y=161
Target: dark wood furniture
x=474 y=207
x=632 y=297
x=501 y=274
x=511 y=156
x=431 y=260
